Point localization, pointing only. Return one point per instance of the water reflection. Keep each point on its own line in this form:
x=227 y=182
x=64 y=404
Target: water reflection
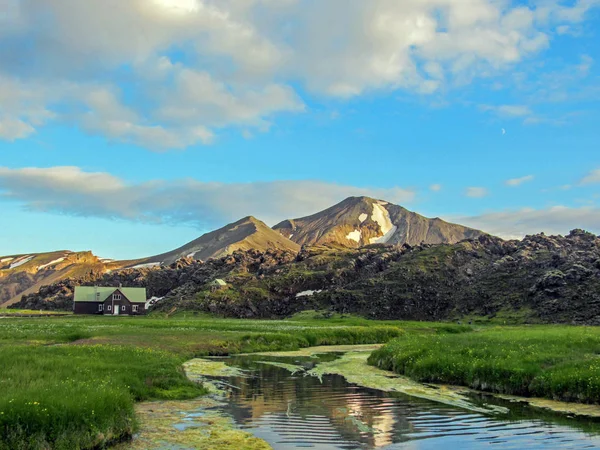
x=295 y=411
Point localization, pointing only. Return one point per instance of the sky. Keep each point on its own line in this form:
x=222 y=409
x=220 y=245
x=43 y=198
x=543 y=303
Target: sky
x=130 y=128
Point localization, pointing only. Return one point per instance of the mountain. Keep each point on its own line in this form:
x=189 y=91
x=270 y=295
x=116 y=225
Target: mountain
x=360 y=221
x=549 y=279
x=245 y=234
x=25 y=274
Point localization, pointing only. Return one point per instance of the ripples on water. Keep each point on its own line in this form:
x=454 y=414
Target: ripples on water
x=296 y=411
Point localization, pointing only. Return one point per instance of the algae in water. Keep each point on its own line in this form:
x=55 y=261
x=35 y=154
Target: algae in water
x=353 y=366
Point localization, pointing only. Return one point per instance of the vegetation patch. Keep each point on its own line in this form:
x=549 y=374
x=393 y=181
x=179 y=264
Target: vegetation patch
x=189 y=424
x=553 y=362
x=68 y=397
x=353 y=366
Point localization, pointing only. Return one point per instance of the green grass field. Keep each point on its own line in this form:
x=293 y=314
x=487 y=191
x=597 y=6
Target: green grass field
x=71 y=382
x=555 y=362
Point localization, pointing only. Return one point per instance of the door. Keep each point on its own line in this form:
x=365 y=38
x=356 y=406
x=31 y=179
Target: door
x=116 y=310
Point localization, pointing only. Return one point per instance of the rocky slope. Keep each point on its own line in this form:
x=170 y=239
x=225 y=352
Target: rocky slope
x=551 y=279
x=24 y=274
x=360 y=221
x=245 y=234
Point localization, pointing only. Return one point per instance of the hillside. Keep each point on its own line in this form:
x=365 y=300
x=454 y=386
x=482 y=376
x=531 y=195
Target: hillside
x=551 y=279
x=245 y=234
x=25 y=274
x=361 y=221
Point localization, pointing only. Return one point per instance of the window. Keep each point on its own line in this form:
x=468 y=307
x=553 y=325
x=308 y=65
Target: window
x=100 y=308
x=110 y=307
x=116 y=296
x=123 y=308
x=135 y=308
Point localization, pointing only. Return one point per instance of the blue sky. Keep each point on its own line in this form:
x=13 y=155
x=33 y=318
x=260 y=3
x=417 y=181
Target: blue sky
x=130 y=128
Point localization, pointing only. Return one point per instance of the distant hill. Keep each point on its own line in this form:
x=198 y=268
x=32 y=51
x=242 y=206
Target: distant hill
x=25 y=274
x=245 y=234
x=360 y=221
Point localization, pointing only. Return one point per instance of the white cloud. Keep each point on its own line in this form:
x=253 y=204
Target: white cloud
x=435 y=187
x=235 y=62
x=515 y=224
x=70 y=190
x=591 y=178
x=476 y=192
x=508 y=110
x=513 y=182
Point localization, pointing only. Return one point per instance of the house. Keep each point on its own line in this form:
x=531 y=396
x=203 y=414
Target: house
x=217 y=284
x=109 y=300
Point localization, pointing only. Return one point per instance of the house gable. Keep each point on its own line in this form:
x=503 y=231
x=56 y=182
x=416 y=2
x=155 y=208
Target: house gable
x=100 y=300
x=99 y=294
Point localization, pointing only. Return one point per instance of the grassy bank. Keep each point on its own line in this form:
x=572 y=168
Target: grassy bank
x=73 y=396
x=556 y=362
x=71 y=382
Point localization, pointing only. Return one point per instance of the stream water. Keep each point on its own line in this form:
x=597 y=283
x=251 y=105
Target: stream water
x=298 y=411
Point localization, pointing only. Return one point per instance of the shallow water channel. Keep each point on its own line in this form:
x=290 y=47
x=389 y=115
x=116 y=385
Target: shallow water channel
x=296 y=410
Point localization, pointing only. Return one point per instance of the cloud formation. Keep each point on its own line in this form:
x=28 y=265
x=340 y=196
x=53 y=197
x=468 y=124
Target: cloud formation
x=509 y=111
x=70 y=190
x=514 y=224
x=169 y=74
x=476 y=192
x=514 y=182
x=591 y=178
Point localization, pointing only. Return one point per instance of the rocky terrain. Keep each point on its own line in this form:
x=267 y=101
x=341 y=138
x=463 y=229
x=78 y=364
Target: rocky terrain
x=360 y=221
x=538 y=279
x=24 y=274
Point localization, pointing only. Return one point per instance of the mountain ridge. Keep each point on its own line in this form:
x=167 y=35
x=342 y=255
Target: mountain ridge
x=359 y=221
x=547 y=279
x=355 y=222
x=244 y=234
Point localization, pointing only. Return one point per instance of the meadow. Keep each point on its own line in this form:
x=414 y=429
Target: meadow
x=555 y=362
x=71 y=382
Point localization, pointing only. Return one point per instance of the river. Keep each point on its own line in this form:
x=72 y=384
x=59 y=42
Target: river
x=296 y=410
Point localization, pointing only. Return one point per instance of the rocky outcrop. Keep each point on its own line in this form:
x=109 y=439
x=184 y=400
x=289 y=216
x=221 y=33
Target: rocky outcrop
x=25 y=274
x=549 y=279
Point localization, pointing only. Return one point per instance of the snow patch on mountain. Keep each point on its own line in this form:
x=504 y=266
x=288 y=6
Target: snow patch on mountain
x=147 y=265
x=191 y=255
x=56 y=261
x=363 y=217
x=382 y=217
x=354 y=235
x=21 y=261
x=3 y=260
x=308 y=293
